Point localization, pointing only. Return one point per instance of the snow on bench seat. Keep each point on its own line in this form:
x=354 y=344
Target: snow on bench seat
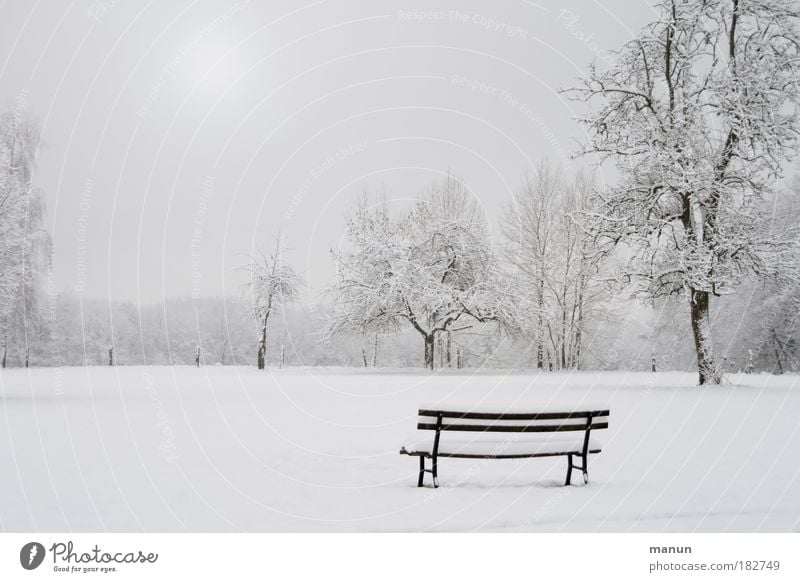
x=468 y=445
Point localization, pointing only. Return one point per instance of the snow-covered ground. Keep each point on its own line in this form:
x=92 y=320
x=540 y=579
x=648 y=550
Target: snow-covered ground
x=229 y=449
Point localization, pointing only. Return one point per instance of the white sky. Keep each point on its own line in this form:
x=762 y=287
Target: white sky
x=142 y=103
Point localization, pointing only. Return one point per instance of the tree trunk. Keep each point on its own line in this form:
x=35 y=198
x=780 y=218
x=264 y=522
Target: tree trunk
x=577 y=354
x=701 y=328
x=778 y=349
x=540 y=329
x=262 y=348
x=449 y=351
x=429 y=350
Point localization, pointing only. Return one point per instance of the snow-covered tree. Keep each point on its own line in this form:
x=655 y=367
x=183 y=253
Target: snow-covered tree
x=698 y=112
x=431 y=268
x=553 y=264
x=24 y=245
x=273 y=283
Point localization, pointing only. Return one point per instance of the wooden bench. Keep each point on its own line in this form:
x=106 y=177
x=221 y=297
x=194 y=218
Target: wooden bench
x=488 y=446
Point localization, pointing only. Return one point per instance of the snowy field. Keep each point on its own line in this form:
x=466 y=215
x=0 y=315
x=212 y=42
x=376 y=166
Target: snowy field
x=232 y=449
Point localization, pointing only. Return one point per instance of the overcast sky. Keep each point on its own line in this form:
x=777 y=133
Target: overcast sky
x=181 y=134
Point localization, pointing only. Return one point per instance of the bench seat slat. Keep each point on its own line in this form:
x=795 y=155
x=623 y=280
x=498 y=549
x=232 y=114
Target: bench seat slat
x=512 y=428
x=499 y=456
x=520 y=456
x=499 y=448
x=513 y=415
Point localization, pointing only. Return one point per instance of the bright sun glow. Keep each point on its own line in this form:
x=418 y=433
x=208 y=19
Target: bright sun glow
x=213 y=65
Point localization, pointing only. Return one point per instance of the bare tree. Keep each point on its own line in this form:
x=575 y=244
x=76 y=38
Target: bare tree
x=698 y=113
x=553 y=264
x=429 y=268
x=273 y=283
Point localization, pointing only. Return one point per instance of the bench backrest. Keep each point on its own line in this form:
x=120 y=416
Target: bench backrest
x=453 y=420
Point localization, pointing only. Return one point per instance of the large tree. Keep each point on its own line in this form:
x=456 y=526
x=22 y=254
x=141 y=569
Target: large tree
x=431 y=268
x=698 y=112
x=24 y=244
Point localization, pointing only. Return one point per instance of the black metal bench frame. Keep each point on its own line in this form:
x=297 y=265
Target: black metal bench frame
x=595 y=420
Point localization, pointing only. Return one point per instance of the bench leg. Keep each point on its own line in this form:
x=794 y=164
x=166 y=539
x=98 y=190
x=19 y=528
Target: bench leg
x=435 y=473
x=569 y=470
x=421 y=471
x=585 y=468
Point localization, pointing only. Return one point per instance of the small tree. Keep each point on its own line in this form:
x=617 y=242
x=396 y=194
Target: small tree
x=698 y=113
x=272 y=283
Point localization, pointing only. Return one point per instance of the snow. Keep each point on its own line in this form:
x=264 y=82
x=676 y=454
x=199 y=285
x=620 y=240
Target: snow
x=472 y=444
x=235 y=449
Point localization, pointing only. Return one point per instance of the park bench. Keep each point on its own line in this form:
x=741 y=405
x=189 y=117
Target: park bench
x=487 y=445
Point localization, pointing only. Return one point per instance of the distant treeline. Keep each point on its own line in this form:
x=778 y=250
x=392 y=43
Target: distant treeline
x=77 y=331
